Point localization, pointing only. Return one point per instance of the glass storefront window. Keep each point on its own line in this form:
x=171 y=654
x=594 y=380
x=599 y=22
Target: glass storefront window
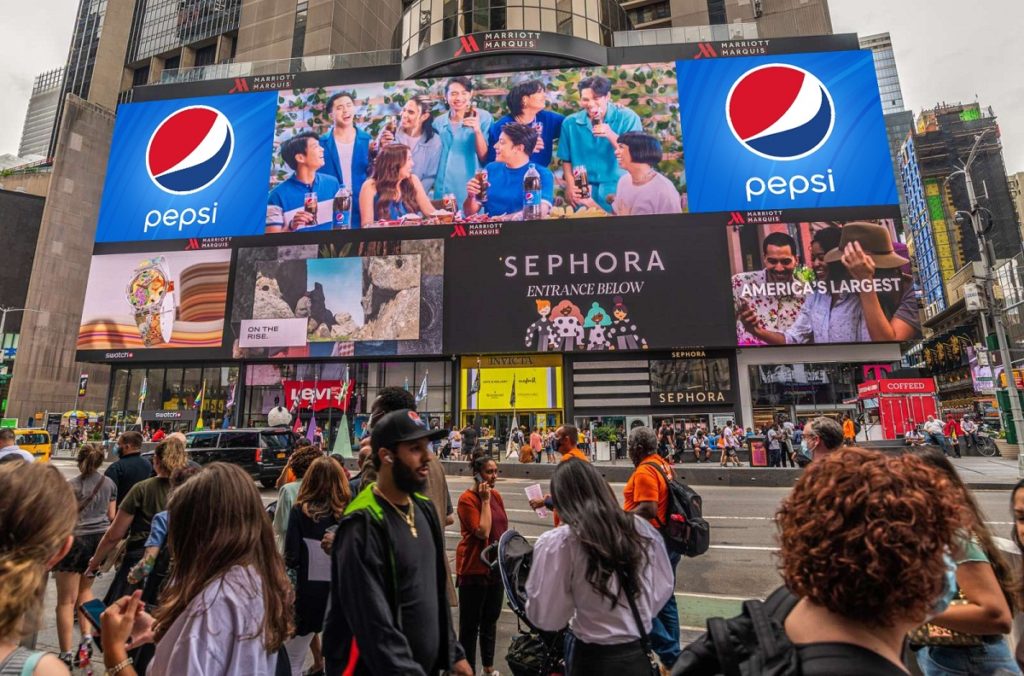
x=154 y=388
x=117 y=392
x=172 y=397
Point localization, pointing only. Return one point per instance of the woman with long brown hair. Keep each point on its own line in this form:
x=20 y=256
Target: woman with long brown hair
x=37 y=516
x=227 y=606
x=394 y=190
x=319 y=506
x=986 y=585
x=96 y=497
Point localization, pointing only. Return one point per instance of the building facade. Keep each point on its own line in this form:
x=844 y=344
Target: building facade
x=19 y=228
x=773 y=18
x=1016 y=182
x=42 y=111
x=885 y=66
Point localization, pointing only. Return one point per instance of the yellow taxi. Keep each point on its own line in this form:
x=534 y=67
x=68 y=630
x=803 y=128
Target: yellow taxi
x=35 y=441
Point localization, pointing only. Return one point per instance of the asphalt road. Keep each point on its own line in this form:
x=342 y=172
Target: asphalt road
x=739 y=565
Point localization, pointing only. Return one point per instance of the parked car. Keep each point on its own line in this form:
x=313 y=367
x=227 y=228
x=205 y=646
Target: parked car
x=262 y=452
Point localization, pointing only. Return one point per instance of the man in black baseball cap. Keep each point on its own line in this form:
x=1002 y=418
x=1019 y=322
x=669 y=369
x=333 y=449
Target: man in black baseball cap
x=388 y=590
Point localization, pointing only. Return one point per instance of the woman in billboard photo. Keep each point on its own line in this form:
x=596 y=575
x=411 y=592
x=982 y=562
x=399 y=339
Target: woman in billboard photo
x=393 y=191
x=416 y=130
x=463 y=132
x=862 y=294
x=527 y=102
x=642 y=189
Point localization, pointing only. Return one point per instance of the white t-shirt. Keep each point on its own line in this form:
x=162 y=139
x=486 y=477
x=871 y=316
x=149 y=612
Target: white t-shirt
x=345 y=158
x=14 y=450
x=279 y=415
x=730 y=440
x=657 y=196
x=219 y=633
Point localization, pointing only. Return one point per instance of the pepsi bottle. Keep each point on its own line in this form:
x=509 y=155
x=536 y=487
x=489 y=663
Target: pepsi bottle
x=531 y=194
x=342 y=209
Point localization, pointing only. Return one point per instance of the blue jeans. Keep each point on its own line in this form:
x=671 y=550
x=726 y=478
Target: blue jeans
x=665 y=627
x=989 y=658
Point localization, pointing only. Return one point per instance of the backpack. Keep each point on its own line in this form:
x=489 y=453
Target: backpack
x=685 y=531
x=752 y=643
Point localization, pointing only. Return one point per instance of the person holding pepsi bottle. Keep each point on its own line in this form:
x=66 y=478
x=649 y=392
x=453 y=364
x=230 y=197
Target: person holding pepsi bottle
x=513 y=182
x=590 y=139
x=305 y=200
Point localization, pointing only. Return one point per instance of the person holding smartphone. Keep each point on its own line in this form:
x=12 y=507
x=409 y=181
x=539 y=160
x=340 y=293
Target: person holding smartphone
x=483 y=521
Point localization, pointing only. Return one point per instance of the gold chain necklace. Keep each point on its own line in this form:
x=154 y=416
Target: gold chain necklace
x=409 y=517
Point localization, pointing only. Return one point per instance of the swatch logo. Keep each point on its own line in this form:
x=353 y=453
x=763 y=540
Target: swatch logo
x=780 y=112
x=190 y=150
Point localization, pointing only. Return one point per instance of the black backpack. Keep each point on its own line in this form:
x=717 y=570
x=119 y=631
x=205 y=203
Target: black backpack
x=753 y=643
x=685 y=531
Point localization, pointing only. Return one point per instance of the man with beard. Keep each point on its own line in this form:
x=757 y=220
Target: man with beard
x=389 y=611
x=772 y=312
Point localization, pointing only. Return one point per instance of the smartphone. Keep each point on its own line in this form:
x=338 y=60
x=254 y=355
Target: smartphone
x=478 y=479
x=92 y=611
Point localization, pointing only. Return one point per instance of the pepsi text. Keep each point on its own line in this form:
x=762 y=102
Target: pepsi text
x=795 y=185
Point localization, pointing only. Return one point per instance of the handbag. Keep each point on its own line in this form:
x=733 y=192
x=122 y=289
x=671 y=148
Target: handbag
x=114 y=557
x=929 y=634
x=645 y=642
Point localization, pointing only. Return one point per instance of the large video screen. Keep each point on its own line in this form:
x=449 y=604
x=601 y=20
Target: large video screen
x=561 y=210
x=821 y=283
x=765 y=132
x=372 y=298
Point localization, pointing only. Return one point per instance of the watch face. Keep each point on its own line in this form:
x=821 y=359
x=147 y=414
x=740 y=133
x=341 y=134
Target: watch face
x=147 y=289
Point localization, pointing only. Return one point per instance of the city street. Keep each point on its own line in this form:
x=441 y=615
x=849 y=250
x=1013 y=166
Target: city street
x=739 y=565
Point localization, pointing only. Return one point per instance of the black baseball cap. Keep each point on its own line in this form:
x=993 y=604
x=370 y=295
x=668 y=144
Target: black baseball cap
x=400 y=426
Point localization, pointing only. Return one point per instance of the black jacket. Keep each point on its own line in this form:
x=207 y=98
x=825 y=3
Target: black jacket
x=363 y=606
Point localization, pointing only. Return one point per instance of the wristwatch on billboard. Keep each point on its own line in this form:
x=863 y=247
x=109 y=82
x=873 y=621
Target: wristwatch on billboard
x=151 y=295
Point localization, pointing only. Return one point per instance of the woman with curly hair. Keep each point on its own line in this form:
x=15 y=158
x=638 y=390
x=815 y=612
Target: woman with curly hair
x=864 y=546
x=227 y=606
x=394 y=190
x=986 y=584
x=865 y=541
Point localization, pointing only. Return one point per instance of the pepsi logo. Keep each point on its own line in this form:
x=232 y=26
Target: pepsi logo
x=780 y=112
x=190 y=149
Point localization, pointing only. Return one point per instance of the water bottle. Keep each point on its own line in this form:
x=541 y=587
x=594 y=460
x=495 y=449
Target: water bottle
x=531 y=194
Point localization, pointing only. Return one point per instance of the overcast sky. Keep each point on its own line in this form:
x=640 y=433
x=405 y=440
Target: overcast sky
x=946 y=50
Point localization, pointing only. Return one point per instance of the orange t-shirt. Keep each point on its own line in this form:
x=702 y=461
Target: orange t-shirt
x=646 y=486
x=575 y=453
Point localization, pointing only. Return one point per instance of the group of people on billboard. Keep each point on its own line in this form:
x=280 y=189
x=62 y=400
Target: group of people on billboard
x=463 y=164
x=855 y=287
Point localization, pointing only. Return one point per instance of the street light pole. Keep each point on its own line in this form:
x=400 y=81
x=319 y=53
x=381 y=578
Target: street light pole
x=988 y=257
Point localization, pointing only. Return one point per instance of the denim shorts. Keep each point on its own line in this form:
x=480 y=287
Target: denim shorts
x=987 y=659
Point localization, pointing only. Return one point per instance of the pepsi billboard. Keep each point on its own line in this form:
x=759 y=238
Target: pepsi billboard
x=188 y=168
x=796 y=131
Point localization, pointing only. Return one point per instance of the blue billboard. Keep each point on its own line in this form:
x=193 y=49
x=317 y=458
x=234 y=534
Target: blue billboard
x=784 y=132
x=188 y=168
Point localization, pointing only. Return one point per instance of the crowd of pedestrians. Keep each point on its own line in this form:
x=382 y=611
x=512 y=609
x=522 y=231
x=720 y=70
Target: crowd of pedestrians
x=878 y=553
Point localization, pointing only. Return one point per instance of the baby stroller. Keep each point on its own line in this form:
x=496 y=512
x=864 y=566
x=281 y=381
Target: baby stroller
x=533 y=652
